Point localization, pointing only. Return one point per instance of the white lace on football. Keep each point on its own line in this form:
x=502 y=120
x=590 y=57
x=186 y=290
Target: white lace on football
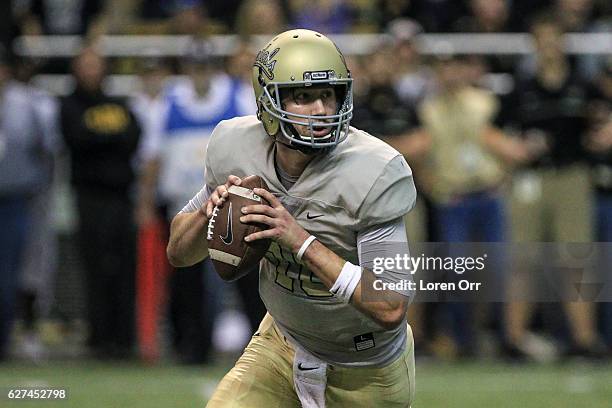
x=211 y=224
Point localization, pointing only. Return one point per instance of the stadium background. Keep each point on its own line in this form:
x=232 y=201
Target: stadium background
x=493 y=39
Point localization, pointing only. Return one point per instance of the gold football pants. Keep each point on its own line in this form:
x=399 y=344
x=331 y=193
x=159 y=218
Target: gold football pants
x=263 y=377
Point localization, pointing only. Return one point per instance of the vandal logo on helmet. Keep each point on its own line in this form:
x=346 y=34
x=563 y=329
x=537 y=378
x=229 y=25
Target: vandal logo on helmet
x=266 y=63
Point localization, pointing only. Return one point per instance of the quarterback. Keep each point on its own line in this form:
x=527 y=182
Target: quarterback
x=337 y=200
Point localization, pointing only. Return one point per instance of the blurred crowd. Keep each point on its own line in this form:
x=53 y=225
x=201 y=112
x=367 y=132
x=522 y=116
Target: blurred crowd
x=528 y=162
x=246 y=17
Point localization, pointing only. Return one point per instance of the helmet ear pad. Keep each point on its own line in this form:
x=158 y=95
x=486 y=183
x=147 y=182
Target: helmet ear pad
x=270 y=123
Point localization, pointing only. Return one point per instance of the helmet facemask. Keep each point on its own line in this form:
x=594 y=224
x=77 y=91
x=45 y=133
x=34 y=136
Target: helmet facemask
x=271 y=102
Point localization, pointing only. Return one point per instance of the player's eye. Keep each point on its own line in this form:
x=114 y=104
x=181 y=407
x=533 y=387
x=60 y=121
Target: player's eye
x=302 y=97
x=327 y=94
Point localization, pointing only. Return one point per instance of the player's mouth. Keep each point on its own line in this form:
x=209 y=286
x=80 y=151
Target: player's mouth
x=321 y=131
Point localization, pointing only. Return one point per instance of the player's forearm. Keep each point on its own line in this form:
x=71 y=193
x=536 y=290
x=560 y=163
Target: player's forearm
x=187 y=244
x=386 y=308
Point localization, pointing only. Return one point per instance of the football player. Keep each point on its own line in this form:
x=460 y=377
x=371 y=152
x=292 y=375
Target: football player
x=337 y=200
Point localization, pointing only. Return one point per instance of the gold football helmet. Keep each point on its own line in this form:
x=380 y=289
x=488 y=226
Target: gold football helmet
x=302 y=58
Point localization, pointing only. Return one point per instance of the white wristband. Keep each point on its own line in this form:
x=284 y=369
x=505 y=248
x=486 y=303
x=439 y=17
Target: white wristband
x=347 y=282
x=304 y=247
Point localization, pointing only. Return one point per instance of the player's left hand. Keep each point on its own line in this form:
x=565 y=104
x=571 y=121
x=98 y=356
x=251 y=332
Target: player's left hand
x=284 y=229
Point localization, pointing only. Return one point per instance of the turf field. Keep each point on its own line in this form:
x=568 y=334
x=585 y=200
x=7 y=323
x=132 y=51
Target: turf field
x=472 y=385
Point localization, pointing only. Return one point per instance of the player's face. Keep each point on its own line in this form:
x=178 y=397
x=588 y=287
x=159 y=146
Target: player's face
x=314 y=101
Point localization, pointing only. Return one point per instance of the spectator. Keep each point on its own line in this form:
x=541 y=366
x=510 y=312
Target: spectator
x=548 y=110
x=23 y=170
x=102 y=137
x=465 y=176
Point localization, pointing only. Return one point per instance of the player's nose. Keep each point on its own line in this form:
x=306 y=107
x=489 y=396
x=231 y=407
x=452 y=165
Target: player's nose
x=318 y=108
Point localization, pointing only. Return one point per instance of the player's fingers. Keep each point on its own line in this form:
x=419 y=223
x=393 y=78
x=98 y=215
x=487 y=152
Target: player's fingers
x=259 y=209
x=274 y=202
x=269 y=233
x=209 y=209
x=231 y=179
x=215 y=197
x=221 y=191
x=262 y=219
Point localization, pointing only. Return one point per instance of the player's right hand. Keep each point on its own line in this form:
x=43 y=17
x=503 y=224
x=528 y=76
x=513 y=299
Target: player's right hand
x=219 y=195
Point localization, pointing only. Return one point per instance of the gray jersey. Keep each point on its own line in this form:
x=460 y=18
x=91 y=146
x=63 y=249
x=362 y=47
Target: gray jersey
x=360 y=184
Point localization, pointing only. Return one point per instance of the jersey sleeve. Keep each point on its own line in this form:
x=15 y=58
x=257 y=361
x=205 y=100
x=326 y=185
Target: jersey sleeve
x=214 y=152
x=198 y=200
x=391 y=196
x=385 y=241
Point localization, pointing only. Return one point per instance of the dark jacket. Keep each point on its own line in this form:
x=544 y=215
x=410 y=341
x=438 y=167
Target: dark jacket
x=102 y=136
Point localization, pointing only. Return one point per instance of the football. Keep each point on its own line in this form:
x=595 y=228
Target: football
x=233 y=257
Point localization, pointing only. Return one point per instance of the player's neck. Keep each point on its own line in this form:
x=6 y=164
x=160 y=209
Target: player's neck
x=293 y=162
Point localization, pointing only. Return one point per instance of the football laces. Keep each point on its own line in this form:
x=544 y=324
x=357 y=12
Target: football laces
x=211 y=224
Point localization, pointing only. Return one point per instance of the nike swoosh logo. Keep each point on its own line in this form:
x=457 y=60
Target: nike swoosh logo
x=229 y=237
x=312 y=217
x=306 y=368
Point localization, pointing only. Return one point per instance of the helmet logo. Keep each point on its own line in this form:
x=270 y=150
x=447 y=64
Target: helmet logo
x=266 y=63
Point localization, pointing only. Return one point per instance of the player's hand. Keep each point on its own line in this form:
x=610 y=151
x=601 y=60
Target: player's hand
x=220 y=194
x=284 y=229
